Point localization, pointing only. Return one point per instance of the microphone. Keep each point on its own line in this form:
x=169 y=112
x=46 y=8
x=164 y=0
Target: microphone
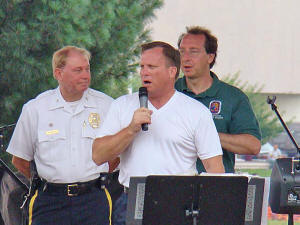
x=143 y=96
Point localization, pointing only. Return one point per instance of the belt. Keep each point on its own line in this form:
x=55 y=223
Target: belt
x=72 y=189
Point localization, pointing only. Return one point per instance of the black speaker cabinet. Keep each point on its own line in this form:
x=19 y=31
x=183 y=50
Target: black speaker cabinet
x=284 y=195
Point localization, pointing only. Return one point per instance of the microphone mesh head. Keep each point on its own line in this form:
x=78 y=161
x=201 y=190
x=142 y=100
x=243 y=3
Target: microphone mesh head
x=143 y=91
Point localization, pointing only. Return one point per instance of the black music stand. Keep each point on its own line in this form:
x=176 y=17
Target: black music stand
x=209 y=200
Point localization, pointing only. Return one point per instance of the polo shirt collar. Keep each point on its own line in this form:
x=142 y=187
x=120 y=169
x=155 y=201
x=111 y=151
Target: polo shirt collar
x=210 y=92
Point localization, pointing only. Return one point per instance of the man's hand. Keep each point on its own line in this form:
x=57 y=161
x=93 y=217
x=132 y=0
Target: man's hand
x=140 y=116
x=22 y=165
x=109 y=147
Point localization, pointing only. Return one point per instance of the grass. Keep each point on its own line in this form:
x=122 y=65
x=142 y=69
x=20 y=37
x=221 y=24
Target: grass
x=259 y=172
x=275 y=222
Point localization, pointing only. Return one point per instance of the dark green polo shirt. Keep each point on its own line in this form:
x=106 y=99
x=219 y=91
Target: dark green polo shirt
x=231 y=110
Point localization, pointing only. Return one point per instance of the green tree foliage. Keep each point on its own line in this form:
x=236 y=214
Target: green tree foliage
x=269 y=124
x=31 y=30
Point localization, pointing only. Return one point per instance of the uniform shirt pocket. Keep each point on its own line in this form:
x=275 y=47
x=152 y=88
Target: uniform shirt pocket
x=52 y=145
x=89 y=132
x=88 y=136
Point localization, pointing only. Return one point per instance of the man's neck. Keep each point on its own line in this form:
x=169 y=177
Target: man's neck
x=160 y=101
x=199 y=84
x=70 y=97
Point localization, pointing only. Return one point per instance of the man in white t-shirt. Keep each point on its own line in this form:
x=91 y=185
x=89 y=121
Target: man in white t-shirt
x=180 y=128
x=275 y=154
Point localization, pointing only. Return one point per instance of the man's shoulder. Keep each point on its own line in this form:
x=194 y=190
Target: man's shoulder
x=44 y=96
x=228 y=88
x=127 y=97
x=40 y=100
x=126 y=102
x=187 y=101
x=99 y=95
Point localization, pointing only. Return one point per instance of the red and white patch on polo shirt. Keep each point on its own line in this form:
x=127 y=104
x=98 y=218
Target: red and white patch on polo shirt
x=215 y=107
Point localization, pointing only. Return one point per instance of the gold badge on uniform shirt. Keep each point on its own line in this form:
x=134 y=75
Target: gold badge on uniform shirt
x=94 y=120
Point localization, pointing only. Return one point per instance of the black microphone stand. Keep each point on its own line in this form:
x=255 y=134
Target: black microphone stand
x=194 y=211
x=295 y=161
x=274 y=108
x=3 y=164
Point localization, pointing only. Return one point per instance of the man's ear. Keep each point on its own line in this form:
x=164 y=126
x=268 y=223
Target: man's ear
x=211 y=57
x=172 y=71
x=58 y=74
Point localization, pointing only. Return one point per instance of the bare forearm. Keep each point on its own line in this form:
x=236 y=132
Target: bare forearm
x=22 y=165
x=214 y=164
x=110 y=147
x=243 y=144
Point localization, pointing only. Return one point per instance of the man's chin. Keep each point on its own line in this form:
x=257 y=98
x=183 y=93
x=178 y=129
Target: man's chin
x=82 y=89
x=85 y=87
x=188 y=74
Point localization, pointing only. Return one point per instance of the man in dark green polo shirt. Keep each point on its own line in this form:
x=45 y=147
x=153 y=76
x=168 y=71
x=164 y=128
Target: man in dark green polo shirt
x=232 y=113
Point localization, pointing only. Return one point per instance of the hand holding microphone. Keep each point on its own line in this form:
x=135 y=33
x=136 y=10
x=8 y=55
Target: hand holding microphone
x=142 y=116
x=143 y=96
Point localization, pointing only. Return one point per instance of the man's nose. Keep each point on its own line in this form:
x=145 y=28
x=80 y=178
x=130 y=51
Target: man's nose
x=86 y=74
x=185 y=56
x=143 y=72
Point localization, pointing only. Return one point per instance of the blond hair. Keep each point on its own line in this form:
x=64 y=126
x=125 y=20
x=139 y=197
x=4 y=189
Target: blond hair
x=60 y=56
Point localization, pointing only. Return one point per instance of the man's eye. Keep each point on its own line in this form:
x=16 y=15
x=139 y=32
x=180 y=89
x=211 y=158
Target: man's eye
x=195 y=52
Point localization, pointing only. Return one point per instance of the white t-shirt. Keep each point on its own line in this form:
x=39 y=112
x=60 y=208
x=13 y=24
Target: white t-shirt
x=59 y=137
x=180 y=131
x=275 y=154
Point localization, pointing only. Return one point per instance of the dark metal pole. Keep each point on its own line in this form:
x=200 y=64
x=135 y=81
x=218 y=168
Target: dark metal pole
x=291 y=219
x=274 y=108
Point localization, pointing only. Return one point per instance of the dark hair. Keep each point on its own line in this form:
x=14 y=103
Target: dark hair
x=172 y=54
x=211 y=42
